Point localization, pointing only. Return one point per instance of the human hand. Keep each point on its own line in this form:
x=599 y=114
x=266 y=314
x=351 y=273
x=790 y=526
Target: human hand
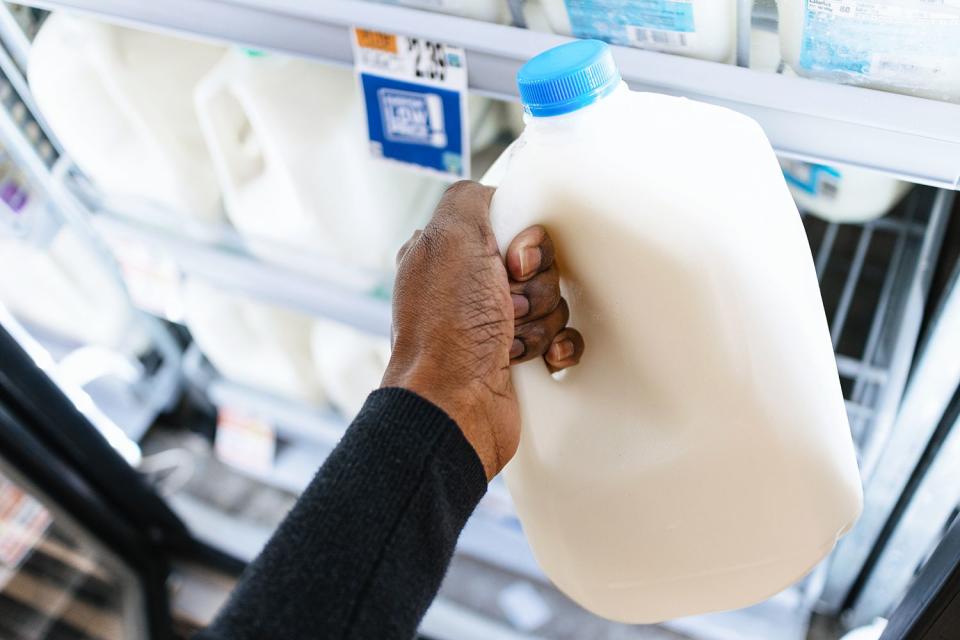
x=462 y=315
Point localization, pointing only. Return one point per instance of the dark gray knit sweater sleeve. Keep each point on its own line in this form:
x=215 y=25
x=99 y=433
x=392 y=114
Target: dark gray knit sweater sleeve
x=362 y=553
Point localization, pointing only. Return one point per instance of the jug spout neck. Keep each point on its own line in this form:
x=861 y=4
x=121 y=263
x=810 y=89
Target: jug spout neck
x=594 y=112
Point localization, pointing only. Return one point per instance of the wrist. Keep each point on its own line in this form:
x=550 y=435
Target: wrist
x=455 y=400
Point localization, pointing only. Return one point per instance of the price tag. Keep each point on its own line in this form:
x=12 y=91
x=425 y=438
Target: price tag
x=414 y=92
x=245 y=442
x=23 y=522
x=153 y=279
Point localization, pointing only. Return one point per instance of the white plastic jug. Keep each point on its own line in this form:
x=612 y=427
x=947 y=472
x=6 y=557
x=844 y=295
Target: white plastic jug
x=905 y=46
x=705 y=29
x=841 y=193
x=251 y=343
x=699 y=457
x=486 y=10
x=350 y=363
x=121 y=102
x=288 y=139
x=51 y=279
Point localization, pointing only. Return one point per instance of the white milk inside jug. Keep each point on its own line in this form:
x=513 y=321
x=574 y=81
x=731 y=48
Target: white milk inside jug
x=350 y=363
x=486 y=10
x=288 y=138
x=251 y=343
x=703 y=29
x=699 y=457
x=906 y=46
x=121 y=102
x=842 y=193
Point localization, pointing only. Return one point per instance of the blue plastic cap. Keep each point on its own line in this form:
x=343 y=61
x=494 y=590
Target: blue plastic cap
x=567 y=78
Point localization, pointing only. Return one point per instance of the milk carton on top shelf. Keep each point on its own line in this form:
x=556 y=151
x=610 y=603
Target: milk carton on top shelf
x=905 y=46
x=121 y=102
x=699 y=457
x=287 y=137
x=703 y=29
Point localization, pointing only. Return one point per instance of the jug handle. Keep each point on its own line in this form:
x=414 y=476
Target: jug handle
x=237 y=153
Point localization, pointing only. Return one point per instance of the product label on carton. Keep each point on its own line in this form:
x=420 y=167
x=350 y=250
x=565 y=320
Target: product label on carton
x=907 y=42
x=814 y=179
x=652 y=24
x=415 y=96
x=245 y=441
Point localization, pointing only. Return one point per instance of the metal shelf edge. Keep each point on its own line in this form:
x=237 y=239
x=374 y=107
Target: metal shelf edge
x=911 y=138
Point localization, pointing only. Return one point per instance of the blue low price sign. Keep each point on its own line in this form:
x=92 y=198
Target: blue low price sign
x=414 y=91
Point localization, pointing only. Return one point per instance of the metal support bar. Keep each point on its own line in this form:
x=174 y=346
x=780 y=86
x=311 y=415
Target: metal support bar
x=853 y=276
x=744 y=27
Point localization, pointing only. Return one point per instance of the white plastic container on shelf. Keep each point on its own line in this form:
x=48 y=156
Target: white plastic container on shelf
x=350 y=363
x=288 y=139
x=52 y=280
x=486 y=10
x=699 y=457
x=842 y=193
x=121 y=102
x=905 y=46
x=705 y=29
x=251 y=343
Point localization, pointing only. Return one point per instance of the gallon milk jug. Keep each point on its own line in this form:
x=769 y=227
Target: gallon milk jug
x=288 y=138
x=699 y=457
x=51 y=279
x=251 y=343
x=350 y=363
x=121 y=102
x=486 y=10
x=841 y=193
x=703 y=29
x=906 y=46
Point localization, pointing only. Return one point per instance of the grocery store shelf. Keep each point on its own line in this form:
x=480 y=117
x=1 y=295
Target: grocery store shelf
x=232 y=268
x=912 y=138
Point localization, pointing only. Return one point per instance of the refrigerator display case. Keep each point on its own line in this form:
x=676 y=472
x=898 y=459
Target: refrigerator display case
x=212 y=456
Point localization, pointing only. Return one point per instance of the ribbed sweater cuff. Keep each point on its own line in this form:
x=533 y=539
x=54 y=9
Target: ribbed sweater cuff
x=416 y=424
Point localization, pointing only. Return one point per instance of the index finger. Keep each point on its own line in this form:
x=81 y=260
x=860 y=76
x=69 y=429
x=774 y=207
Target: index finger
x=530 y=253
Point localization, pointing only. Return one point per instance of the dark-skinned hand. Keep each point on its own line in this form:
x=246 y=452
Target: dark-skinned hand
x=462 y=314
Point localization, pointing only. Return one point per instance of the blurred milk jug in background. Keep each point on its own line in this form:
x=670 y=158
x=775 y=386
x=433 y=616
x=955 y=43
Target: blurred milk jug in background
x=906 y=46
x=121 y=102
x=699 y=458
x=705 y=29
x=252 y=343
x=841 y=193
x=288 y=136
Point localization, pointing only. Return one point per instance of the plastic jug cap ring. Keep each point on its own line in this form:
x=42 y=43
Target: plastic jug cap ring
x=567 y=78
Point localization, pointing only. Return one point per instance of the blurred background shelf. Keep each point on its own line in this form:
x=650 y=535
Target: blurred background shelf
x=911 y=138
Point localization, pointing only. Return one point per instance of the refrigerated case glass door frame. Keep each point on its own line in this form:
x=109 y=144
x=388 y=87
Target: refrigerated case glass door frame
x=931 y=608
x=50 y=444
x=132 y=612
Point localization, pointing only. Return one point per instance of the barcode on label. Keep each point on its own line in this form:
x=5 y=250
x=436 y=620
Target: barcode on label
x=642 y=36
x=905 y=66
